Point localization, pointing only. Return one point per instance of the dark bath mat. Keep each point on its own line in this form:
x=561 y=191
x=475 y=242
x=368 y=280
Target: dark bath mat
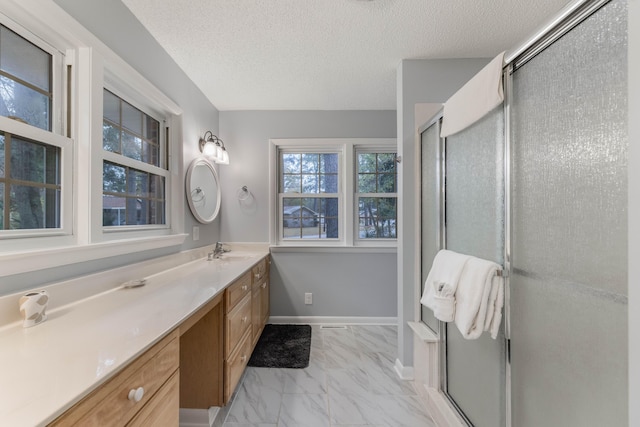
x=282 y=346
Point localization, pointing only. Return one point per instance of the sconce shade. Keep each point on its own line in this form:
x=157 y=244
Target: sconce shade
x=213 y=148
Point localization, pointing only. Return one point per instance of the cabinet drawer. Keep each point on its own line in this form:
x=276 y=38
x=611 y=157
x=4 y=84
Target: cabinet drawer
x=259 y=271
x=109 y=405
x=164 y=409
x=238 y=321
x=237 y=290
x=235 y=364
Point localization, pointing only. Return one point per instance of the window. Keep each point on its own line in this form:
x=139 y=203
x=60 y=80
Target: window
x=334 y=192
x=32 y=194
x=309 y=196
x=134 y=168
x=376 y=195
x=107 y=192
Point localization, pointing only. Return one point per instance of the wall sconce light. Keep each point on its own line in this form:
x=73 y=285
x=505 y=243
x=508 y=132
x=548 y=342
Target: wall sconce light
x=213 y=147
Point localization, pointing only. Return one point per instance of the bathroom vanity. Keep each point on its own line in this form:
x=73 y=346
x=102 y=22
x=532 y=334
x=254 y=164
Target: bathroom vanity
x=135 y=356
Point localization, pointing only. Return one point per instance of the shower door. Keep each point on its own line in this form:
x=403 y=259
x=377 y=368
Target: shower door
x=432 y=205
x=474 y=371
x=569 y=228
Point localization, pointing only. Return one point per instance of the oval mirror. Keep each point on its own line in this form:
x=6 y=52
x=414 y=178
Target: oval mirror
x=203 y=191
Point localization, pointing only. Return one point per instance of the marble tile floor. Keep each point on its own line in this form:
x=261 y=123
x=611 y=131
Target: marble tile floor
x=350 y=381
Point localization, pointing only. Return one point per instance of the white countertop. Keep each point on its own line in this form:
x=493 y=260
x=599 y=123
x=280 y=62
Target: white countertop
x=46 y=369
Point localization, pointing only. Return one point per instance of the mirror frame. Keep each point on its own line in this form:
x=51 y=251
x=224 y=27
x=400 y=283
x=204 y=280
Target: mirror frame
x=189 y=190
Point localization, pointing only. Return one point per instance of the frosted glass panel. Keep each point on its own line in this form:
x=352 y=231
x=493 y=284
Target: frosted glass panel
x=475 y=226
x=569 y=234
x=430 y=188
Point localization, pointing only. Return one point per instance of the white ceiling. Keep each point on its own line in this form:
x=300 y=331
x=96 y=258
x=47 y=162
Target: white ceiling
x=327 y=54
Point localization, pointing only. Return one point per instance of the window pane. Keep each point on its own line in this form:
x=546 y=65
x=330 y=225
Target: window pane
x=386 y=183
x=131 y=146
x=34 y=207
x=290 y=163
x=24 y=103
x=151 y=129
x=113 y=210
x=111 y=107
x=329 y=163
x=110 y=138
x=367 y=162
x=386 y=163
x=131 y=118
x=24 y=60
x=310 y=163
x=291 y=184
x=377 y=217
x=114 y=178
x=367 y=183
x=34 y=162
x=150 y=153
x=310 y=218
x=310 y=184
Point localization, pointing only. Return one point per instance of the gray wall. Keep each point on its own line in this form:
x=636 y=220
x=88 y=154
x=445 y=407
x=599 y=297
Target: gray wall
x=343 y=284
x=419 y=81
x=136 y=46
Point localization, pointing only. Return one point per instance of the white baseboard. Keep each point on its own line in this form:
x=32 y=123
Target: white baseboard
x=404 y=372
x=333 y=320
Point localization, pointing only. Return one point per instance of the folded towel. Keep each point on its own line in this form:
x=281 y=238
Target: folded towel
x=444 y=301
x=479 y=299
x=442 y=281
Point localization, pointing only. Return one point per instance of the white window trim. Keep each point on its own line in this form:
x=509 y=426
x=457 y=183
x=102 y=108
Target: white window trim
x=347 y=224
x=89 y=58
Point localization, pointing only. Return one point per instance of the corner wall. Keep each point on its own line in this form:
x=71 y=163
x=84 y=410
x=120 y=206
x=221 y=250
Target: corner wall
x=418 y=81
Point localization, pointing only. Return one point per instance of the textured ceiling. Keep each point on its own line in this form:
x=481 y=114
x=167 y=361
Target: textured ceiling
x=326 y=54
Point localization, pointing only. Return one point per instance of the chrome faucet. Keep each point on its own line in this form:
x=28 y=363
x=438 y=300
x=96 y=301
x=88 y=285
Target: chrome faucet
x=217 y=251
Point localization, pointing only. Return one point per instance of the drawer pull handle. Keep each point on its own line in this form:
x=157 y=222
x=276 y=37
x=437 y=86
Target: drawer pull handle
x=264 y=285
x=243 y=358
x=245 y=287
x=257 y=275
x=244 y=319
x=136 y=394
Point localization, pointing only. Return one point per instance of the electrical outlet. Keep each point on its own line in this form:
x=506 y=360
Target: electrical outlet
x=196 y=233
x=308 y=298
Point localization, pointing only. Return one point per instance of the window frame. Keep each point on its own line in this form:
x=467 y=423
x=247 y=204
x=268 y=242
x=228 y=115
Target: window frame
x=28 y=239
x=122 y=160
x=372 y=241
x=348 y=213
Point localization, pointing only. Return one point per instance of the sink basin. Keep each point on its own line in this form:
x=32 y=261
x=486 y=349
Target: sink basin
x=235 y=256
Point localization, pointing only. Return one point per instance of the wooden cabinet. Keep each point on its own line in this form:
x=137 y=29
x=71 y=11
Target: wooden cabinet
x=237 y=348
x=197 y=365
x=260 y=298
x=246 y=313
x=148 y=382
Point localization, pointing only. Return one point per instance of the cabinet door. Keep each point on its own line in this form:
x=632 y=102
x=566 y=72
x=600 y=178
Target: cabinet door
x=264 y=303
x=256 y=317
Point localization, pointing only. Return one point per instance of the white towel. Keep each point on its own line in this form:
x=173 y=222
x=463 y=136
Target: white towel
x=442 y=281
x=479 y=299
x=475 y=99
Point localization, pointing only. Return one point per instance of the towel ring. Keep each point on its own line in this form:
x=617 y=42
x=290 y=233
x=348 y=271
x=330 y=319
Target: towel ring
x=243 y=193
